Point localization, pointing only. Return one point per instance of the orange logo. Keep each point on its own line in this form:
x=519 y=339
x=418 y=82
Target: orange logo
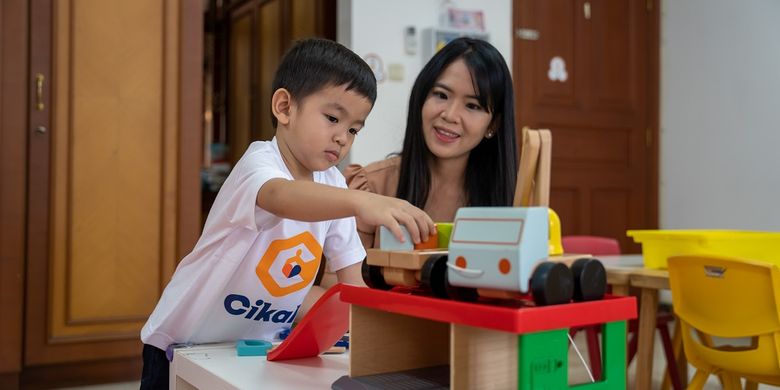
x=289 y=265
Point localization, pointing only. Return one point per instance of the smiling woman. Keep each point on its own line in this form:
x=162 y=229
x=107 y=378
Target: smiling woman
x=460 y=146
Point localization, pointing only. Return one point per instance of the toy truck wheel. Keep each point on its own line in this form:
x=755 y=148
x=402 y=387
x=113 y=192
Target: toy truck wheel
x=433 y=275
x=590 y=279
x=457 y=293
x=551 y=284
x=372 y=276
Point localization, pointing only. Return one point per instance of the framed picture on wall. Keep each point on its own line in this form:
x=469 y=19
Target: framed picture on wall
x=461 y=19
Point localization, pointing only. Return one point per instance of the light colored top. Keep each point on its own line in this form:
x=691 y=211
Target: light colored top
x=250 y=270
x=382 y=177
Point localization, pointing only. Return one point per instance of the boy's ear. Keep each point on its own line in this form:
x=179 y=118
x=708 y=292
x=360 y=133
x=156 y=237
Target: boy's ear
x=281 y=103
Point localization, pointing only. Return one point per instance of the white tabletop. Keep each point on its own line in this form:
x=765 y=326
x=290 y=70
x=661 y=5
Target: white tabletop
x=218 y=367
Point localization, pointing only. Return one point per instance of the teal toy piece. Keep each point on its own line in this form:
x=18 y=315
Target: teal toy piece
x=252 y=347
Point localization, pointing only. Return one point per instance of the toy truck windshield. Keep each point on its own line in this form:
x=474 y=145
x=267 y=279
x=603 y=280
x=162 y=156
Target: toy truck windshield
x=487 y=231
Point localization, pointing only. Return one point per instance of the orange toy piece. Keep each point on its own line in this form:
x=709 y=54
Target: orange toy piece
x=431 y=243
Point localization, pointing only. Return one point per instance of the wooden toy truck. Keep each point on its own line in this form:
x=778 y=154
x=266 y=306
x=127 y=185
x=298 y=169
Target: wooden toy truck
x=497 y=252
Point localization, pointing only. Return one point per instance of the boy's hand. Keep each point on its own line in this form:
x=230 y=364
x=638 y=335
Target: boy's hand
x=375 y=210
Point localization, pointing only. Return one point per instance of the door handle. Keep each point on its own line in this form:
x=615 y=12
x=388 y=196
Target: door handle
x=39 y=79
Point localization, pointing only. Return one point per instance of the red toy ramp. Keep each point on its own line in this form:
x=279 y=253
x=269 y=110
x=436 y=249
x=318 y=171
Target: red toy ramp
x=324 y=325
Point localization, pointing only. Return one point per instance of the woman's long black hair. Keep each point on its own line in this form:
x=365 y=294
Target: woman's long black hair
x=492 y=166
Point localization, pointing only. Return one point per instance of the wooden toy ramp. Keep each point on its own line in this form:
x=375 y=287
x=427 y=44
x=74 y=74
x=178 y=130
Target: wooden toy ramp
x=533 y=174
x=324 y=324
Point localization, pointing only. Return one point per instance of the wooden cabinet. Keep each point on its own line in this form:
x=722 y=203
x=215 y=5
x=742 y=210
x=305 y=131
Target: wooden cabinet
x=13 y=152
x=103 y=190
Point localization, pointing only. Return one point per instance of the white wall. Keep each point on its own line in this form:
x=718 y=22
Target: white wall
x=720 y=114
x=720 y=100
x=377 y=26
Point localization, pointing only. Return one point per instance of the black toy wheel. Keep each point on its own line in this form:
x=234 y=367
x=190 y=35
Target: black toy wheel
x=590 y=279
x=433 y=275
x=551 y=284
x=372 y=276
x=457 y=293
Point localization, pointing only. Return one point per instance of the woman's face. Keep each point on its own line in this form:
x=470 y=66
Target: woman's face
x=453 y=121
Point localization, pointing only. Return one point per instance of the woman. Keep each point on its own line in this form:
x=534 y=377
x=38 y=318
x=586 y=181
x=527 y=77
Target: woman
x=460 y=146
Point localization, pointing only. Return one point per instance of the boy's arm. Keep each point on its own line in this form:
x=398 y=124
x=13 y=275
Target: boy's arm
x=351 y=275
x=308 y=301
x=310 y=201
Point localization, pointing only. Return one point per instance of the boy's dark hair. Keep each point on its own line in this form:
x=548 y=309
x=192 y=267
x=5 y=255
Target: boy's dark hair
x=492 y=167
x=313 y=64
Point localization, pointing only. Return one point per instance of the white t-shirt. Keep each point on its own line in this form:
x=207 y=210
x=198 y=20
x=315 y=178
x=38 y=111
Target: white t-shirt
x=250 y=270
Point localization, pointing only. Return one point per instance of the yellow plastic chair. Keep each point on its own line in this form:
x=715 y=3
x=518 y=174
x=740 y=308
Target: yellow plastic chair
x=728 y=298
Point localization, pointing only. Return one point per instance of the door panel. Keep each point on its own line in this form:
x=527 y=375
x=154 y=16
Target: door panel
x=105 y=191
x=13 y=171
x=557 y=26
x=587 y=77
x=271 y=50
x=615 y=57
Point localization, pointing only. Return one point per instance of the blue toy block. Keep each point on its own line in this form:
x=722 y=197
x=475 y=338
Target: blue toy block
x=252 y=347
x=388 y=242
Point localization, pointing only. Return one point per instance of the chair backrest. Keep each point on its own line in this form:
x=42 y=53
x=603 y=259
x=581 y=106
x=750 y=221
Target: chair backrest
x=591 y=245
x=728 y=298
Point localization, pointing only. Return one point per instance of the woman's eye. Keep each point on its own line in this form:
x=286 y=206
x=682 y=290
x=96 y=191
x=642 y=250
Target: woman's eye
x=440 y=95
x=472 y=106
x=353 y=131
x=332 y=119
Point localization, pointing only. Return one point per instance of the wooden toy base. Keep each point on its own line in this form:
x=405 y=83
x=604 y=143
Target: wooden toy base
x=485 y=346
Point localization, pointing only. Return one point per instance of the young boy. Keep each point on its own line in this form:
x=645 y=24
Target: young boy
x=283 y=206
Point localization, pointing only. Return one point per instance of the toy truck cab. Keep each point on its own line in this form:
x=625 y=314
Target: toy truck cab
x=497 y=247
x=500 y=252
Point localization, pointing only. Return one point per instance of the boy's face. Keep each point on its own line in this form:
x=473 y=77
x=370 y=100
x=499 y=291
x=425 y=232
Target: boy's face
x=322 y=127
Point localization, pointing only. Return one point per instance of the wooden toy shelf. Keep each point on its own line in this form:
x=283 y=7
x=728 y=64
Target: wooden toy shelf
x=485 y=345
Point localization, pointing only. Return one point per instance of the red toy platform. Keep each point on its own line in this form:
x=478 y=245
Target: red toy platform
x=516 y=319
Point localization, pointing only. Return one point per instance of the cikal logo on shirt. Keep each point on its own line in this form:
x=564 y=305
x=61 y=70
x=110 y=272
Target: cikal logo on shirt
x=287 y=266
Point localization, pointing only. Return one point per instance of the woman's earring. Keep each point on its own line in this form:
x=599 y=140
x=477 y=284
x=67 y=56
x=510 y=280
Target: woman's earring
x=489 y=134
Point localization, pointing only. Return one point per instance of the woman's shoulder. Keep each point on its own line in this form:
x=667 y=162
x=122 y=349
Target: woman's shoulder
x=391 y=163
x=379 y=177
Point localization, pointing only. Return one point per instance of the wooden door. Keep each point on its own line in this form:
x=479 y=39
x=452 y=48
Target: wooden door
x=13 y=154
x=587 y=70
x=114 y=155
x=257 y=33
x=247 y=40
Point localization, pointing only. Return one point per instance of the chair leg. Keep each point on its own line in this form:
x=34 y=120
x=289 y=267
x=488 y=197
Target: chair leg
x=731 y=382
x=632 y=345
x=594 y=350
x=698 y=381
x=750 y=385
x=671 y=362
x=679 y=353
